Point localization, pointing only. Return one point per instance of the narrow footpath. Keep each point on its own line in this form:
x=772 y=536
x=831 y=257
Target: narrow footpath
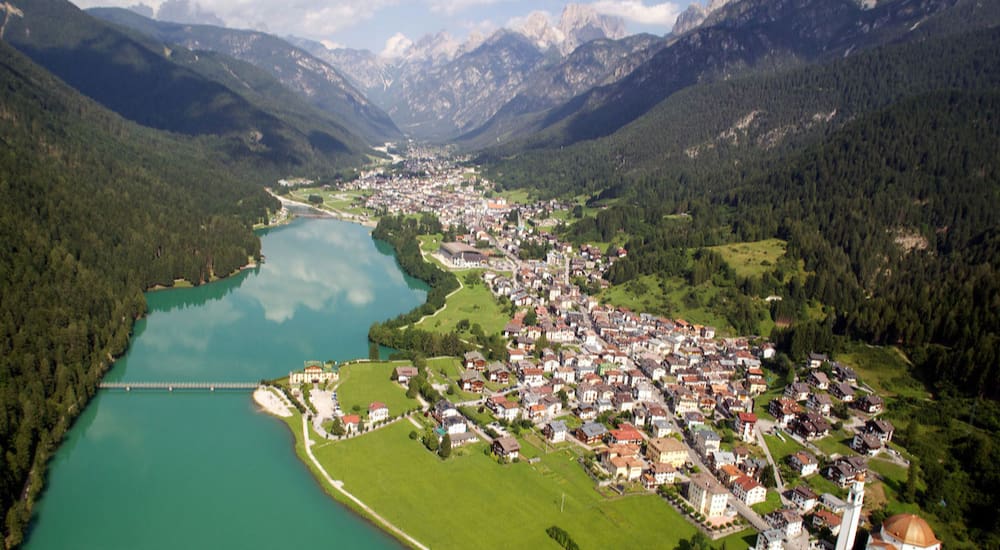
x=339 y=486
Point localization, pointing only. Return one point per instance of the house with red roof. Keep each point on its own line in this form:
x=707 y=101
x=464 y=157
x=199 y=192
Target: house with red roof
x=744 y=424
x=378 y=412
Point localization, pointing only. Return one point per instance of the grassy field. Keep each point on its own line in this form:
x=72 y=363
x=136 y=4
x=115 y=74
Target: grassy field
x=886 y=369
x=474 y=303
x=752 y=259
x=430 y=243
x=450 y=369
x=667 y=297
x=821 y=485
x=743 y=539
x=401 y=480
x=341 y=201
x=836 y=443
x=363 y=383
x=781 y=449
x=772 y=503
x=517 y=196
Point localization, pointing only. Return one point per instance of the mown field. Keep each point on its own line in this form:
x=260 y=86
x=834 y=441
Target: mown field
x=363 y=383
x=404 y=482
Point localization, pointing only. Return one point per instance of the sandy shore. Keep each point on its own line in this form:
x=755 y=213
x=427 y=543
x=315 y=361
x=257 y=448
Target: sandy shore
x=271 y=403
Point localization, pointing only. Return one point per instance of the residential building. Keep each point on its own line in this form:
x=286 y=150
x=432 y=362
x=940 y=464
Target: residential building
x=803 y=497
x=707 y=496
x=803 y=463
x=591 y=433
x=378 y=412
x=749 y=490
x=506 y=448
x=667 y=450
x=404 y=374
x=880 y=429
x=555 y=431
x=706 y=441
x=744 y=424
x=787 y=520
x=771 y=539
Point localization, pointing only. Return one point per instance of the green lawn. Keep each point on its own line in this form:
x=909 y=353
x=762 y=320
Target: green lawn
x=668 y=297
x=343 y=201
x=836 y=443
x=752 y=259
x=761 y=402
x=517 y=196
x=885 y=369
x=363 y=383
x=480 y=418
x=474 y=303
x=781 y=449
x=430 y=243
x=402 y=481
x=738 y=541
x=821 y=485
x=772 y=503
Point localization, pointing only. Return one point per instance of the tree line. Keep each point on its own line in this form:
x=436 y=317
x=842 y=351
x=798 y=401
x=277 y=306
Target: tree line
x=96 y=211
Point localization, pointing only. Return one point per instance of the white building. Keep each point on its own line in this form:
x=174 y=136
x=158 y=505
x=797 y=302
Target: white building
x=852 y=514
x=378 y=412
x=707 y=496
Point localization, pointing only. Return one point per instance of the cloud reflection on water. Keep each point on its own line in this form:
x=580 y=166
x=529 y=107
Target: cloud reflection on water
x=338 y=274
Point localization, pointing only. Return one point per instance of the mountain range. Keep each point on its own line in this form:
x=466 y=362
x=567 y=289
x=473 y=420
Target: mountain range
x=439 y=88
x=316 y=81
x=134 y=149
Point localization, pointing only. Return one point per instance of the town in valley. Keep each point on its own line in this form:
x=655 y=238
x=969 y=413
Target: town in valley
x=647 y=404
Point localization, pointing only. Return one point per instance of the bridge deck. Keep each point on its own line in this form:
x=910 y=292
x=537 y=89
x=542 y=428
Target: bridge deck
x=171 y=386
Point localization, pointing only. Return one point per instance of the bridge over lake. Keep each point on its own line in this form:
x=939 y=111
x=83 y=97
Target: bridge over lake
x=171 y=386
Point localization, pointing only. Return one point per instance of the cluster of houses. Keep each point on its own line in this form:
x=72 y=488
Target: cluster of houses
x=613 y=362
x=377 y=412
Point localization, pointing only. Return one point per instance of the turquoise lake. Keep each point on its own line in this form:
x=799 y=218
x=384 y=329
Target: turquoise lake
x=208 y=470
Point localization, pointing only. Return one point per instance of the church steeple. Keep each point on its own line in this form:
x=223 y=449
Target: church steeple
x=852 y=514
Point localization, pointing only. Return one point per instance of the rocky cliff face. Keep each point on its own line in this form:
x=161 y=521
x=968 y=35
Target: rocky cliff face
x=441 y=101
x=695 y=15
x=596 y=63
x=439 y=88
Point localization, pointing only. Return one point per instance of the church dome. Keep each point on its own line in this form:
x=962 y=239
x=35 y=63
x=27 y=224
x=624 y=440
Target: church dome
x=910 y=529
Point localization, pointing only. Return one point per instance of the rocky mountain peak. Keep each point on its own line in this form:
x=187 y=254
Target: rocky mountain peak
x=695 y=15
x=537 y=28
x=581 y=24
x=436 y=48
x=578 y=24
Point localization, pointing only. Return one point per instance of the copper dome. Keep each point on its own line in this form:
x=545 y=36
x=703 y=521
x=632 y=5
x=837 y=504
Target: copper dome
x=910 y=529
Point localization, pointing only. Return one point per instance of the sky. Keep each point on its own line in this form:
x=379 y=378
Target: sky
x=372 y=24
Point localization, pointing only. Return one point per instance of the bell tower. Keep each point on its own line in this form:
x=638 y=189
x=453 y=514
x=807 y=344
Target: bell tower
x=852 y=514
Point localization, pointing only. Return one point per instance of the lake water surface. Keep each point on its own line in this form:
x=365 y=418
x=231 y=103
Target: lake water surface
x=207 y=470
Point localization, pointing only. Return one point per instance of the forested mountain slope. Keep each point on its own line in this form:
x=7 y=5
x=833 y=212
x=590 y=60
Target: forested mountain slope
x=96 y=210
x=745 y=36
x=711 y=135
x=315 y=81
x=171 y=88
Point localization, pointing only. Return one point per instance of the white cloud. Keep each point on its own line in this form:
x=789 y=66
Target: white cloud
x=451 y=7
x=396 y=46
x=331 y=45
x=636 y=11
x=309 y=18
